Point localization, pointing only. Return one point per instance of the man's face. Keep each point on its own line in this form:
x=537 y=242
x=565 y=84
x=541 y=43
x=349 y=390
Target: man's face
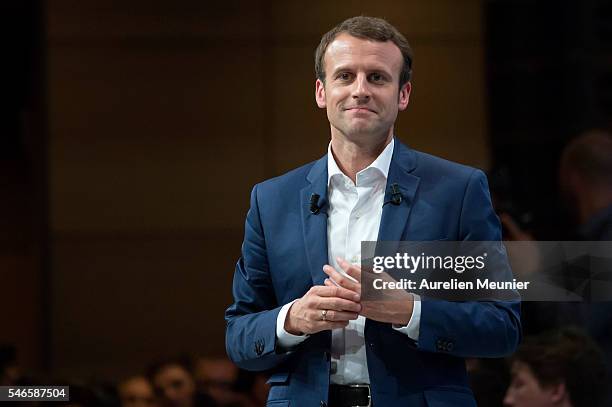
x=136 y=392
x=175 y=386
x=361 y=91
x=217 y=377
x=526 y=391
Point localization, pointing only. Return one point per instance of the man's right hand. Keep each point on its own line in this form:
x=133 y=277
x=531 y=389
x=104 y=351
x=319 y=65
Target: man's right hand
x=322 y=308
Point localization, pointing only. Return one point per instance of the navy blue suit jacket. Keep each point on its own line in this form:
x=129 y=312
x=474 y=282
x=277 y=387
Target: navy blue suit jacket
x=285 y=248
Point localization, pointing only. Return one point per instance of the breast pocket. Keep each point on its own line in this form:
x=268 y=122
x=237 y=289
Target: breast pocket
x=279 y=387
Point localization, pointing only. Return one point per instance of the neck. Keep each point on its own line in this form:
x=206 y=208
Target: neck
x=353 y=156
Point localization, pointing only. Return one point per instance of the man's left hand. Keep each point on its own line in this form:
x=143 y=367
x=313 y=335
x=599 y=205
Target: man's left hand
x=395 y=307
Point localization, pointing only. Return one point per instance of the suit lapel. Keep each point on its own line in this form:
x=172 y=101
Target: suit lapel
x=314 y=227
x=395 y=217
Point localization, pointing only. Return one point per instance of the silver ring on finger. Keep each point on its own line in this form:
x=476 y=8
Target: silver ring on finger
x=324 y=315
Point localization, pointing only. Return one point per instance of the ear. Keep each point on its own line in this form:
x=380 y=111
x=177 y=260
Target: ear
x=404 y=96
x=320 y=94
x=558 y=393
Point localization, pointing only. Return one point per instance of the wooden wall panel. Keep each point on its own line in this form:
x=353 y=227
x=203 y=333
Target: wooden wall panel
x=300 y=128
x=123 y=301
x=156 y=140
x=436 y=19
x=154 y=21
x=145 y=138
x=446 y=114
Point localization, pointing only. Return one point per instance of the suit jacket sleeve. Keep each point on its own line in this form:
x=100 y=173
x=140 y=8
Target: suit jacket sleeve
x=250 y=338
x=473 y=328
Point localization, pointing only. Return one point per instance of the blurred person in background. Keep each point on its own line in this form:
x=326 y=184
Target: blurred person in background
x=83 y=394
x=225 y=383
x=174 y=384
x=216 y=377
x=11 y=373
x=489 y=379
x=9 y=370
x=260 y=389
x=136 y=391
x=586 y=182
x=560 y=368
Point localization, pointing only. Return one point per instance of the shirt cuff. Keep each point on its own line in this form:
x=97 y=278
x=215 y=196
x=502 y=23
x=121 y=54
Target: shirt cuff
x=412 y=329
x=284 y=338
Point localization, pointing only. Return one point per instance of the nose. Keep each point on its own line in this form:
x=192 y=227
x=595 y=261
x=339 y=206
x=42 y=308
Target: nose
x=361 y=89
x=508 y=399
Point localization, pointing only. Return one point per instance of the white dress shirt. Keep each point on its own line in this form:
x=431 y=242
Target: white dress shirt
x=354 y=214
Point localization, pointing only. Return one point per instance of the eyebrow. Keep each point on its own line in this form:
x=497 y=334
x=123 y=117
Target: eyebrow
x=348 y=68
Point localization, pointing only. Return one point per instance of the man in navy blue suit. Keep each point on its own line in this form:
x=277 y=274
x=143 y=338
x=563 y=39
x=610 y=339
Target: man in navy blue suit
x=297 y=309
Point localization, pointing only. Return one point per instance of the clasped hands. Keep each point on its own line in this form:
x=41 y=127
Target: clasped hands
x=334 y=304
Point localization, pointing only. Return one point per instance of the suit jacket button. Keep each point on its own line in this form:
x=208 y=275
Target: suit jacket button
x=449 y=346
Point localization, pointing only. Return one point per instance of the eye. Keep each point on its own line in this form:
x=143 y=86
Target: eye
x=517 y=383
x=376 y=77
x=344 y=76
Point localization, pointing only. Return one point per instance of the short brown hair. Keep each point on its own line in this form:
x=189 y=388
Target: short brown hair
x=567 y=356
x=369 y=28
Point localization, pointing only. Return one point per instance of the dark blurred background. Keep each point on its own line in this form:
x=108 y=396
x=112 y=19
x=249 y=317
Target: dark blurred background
x=131 y=133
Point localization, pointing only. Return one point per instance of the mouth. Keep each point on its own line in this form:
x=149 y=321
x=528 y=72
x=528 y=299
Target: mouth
x=359 y=109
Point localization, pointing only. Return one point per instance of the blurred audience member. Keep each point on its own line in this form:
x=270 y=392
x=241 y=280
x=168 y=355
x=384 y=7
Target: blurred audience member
x=9 y=370
x=174 y=384
x=136 y=391
x=217 y=377
x=228 y=385
x=85 y=395
x=586 y=181
x=489 y=379
x=260 y=389
x=560 y=368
